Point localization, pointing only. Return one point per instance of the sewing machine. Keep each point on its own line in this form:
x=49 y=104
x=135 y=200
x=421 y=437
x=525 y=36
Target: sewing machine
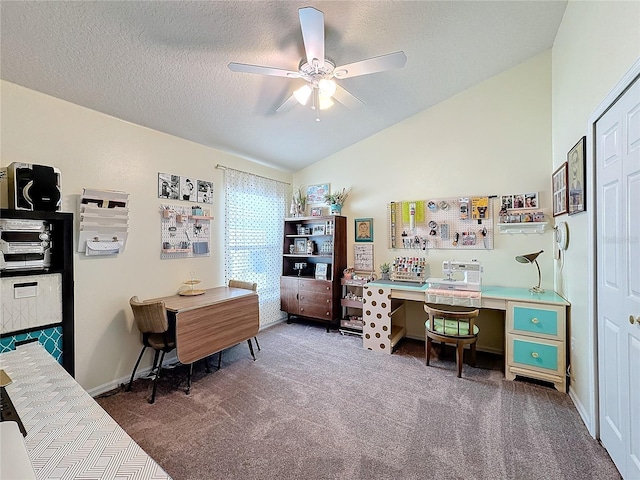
x=458 y=276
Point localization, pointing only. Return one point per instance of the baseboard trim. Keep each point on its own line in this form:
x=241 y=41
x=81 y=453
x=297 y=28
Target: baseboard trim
x=584 y=415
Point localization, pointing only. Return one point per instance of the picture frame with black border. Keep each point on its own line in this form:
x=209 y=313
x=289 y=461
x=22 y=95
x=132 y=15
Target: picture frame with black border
x=559 y=188
x=363 y=230
x=576 y=167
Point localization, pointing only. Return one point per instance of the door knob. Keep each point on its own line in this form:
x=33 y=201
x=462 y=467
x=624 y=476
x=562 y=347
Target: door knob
x=633 y=320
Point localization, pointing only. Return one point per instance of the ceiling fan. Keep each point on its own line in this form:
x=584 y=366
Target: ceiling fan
x=320 y=73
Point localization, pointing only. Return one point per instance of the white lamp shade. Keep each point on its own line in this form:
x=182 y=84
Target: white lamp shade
x=325 y=102
x=327 y=87
x=302 y=94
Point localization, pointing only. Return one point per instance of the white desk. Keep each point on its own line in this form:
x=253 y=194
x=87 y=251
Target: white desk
x=535 y=325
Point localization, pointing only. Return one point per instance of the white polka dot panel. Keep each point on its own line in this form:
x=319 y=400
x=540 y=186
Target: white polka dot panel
x=376 y=306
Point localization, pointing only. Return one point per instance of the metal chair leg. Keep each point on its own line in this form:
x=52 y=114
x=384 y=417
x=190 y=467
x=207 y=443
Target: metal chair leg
x=251 y=350
x=257 y=344
x=189 y=379
x=155 y=380
x=219 y=359
x=135 y=368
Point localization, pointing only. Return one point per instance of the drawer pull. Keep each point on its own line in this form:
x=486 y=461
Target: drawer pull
x=535 y=355
x=535 y=320
x=328 y=288
x=327 y=314
x=328 y=300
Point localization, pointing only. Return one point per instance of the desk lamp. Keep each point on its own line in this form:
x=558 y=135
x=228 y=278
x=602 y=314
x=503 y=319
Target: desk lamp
x=531 y=258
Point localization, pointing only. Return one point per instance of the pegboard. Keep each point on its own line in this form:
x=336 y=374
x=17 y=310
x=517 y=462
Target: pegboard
x=455 y=223
x=185 y=232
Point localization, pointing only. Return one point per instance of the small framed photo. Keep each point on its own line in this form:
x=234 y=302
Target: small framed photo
x=576 y=159
x=559 y=189
x=364 y=230
x=321 y=271
x=168 y=186
x=316 y=212
x=205 y=192
x=300 y=245
x=188 y=189
x=316 y=193
x=318 y=230
x=506 y=202
x=531 y=200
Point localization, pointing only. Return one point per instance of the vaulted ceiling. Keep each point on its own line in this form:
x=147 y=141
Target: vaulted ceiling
x=163 y=64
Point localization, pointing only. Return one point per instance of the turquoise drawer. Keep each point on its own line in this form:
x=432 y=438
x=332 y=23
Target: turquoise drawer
x=535 y=354
x=535 y=320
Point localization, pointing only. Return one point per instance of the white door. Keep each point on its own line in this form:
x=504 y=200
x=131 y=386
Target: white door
x=617 y=144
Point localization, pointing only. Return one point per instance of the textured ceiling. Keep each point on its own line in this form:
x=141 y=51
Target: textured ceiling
x=163 y=65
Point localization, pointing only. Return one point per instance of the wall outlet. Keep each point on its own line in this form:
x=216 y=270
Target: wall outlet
x=573 y=343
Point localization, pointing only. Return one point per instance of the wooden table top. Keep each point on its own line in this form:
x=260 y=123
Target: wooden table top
x=211 y=296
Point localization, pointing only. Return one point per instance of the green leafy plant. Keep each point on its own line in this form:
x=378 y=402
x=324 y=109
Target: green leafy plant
x=385 y=268
x=337 y=198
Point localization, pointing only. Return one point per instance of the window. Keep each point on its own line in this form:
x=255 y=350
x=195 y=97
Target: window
x=254 y=211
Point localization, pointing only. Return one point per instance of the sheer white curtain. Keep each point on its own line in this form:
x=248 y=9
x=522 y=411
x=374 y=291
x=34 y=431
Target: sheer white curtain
x=254 y=211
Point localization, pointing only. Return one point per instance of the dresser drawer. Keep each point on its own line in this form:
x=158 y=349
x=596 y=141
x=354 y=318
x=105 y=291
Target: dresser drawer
x=540 y=354
x=314 y=286
x=545 y=321
x=316 y=311
x=320 y=299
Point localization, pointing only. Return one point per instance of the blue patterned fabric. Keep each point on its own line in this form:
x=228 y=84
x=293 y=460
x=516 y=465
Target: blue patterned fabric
x=49 y=338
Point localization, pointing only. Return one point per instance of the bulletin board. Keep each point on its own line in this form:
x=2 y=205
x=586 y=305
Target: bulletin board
x=454 y=223
x=184 y=234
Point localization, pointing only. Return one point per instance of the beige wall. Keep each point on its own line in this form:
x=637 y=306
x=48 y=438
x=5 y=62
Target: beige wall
x=94 y=150
x=595 y=46
x=492 y=139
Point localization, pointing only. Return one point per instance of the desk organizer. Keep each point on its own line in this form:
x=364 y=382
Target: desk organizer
x=104 y=222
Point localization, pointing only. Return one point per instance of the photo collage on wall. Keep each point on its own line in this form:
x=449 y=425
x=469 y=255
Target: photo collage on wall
x=189 y=189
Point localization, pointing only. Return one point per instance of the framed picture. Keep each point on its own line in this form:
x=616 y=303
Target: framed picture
x=300 y=246
x=316 y=193
x=318 y=230
x=168 y=186
x=531 y=200
x=316 y=212
x=363 y=258
x=576 y=161
x=559 y=189
x=188 y=189
x=321 y=270
x=506 y=202
x=364 y=230
x=205 y=192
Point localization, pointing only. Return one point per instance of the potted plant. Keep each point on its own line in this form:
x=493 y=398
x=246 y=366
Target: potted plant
x=336 y=200
x=385 y=268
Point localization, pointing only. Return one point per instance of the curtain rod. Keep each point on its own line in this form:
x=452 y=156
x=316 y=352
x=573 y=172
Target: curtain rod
x=223 y=167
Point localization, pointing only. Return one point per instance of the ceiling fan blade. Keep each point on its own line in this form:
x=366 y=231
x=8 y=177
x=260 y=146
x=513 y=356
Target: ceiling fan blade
x=276 y=72
x=312 y=25
x=287 y=105
x=371 y=65
x=347 y=99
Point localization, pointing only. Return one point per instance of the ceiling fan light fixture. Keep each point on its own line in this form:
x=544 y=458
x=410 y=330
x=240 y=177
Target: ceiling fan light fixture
x=327 y=87
x=302 y=94
x=325 y=102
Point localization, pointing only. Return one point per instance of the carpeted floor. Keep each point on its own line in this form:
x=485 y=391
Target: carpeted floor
x=316 y=405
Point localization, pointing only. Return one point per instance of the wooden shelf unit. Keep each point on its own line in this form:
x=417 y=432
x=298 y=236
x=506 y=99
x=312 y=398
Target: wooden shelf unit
x=301 y=294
